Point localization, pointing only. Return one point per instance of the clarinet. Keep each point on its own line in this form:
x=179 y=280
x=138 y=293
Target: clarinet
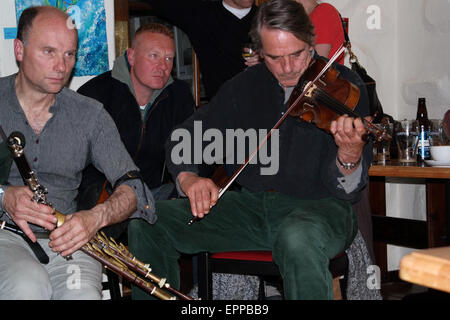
x=115 y=257
x=16 y=143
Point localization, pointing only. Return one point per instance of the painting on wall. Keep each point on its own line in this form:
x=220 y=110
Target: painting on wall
x=90 y=19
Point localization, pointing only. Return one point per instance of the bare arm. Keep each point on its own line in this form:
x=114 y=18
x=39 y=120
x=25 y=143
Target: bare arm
x=81 y=226
x=323 y=49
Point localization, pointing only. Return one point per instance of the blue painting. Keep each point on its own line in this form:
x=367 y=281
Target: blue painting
x=90 y=20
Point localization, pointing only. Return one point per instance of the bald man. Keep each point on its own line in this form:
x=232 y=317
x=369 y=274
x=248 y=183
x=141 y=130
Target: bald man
x=64 y=132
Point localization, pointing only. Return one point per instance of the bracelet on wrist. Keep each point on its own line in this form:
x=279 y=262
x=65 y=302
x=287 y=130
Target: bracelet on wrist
x=348 y=165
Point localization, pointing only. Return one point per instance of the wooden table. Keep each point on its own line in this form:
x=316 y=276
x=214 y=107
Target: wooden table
x=434 y=232
x=429 y=268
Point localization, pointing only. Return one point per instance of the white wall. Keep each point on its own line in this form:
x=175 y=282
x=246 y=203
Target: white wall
x=404 y=45
x=406 y=53
x=8 y=19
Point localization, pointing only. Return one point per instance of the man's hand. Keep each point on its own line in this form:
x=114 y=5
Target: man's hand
x=348 y=133
x=80 y=227
x=76 y=231
x=253 y=60
x=17 y=202
x=202 y=192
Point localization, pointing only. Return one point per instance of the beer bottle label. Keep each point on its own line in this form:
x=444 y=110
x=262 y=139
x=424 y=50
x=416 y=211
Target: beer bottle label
x=424 y=146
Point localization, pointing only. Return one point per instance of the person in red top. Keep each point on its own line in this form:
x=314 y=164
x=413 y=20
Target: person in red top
x=327 y=27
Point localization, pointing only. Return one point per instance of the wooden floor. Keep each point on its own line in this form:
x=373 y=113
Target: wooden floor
x=400 y=290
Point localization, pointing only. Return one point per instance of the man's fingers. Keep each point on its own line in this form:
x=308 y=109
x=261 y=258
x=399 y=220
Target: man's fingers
x=201 y=203
x=214 y=196
x=47 y=221
x=206 y=200
x=69 y=237
x=193 y=202
x=23 y=225
x=202 y=193
x=68 y=245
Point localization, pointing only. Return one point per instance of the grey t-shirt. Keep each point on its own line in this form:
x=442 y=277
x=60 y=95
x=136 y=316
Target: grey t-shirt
x=79 y=132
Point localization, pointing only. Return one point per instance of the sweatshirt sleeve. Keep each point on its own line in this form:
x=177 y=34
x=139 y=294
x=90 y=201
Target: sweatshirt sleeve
x=348 y=187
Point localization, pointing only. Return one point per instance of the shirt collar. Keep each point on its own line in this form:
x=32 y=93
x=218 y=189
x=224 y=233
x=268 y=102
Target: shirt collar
x=240 y=13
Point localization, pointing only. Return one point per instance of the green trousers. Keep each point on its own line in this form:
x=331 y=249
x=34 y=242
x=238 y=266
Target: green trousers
x=302 y=235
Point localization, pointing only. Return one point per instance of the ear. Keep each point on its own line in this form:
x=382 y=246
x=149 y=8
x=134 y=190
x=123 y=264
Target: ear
x=18 y=49
x=130 y=56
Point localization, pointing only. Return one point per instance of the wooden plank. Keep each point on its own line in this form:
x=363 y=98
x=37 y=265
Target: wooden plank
x=121 y=10
x=121 y=26
x=430 y=268
x=377 y=197
x=437 y=213
x=413 y=171
x=337 y=292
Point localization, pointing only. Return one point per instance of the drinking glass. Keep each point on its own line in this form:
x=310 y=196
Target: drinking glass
x=383 y=148
x=437 y=133
x=407 y=141
x=249 y=50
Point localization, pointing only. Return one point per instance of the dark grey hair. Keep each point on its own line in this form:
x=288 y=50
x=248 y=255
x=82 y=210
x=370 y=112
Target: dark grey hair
x=286 y=15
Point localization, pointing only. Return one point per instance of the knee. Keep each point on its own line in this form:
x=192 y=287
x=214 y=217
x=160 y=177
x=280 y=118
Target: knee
x=32 y=284
x=86 y=292
x=300 y=241
x=297 y=236
x=80 y=281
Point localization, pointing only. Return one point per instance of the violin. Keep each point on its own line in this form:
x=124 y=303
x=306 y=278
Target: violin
x=329 y=97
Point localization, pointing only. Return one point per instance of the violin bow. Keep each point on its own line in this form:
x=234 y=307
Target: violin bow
x=275 y=127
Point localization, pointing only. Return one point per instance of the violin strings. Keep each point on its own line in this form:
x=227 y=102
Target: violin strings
x=334 y=104
x=341 y=108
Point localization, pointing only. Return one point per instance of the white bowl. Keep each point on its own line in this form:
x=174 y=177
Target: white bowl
x=440 y=153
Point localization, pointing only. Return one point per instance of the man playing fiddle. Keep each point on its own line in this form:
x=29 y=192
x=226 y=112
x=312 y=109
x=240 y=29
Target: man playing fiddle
x=302 y=212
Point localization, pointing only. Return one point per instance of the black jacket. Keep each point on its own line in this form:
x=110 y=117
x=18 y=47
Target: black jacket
x=144 y=141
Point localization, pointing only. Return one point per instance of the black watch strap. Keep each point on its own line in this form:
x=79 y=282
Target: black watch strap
x=130 y=175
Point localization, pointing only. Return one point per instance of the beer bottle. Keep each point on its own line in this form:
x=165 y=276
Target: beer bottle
x=423 y=149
